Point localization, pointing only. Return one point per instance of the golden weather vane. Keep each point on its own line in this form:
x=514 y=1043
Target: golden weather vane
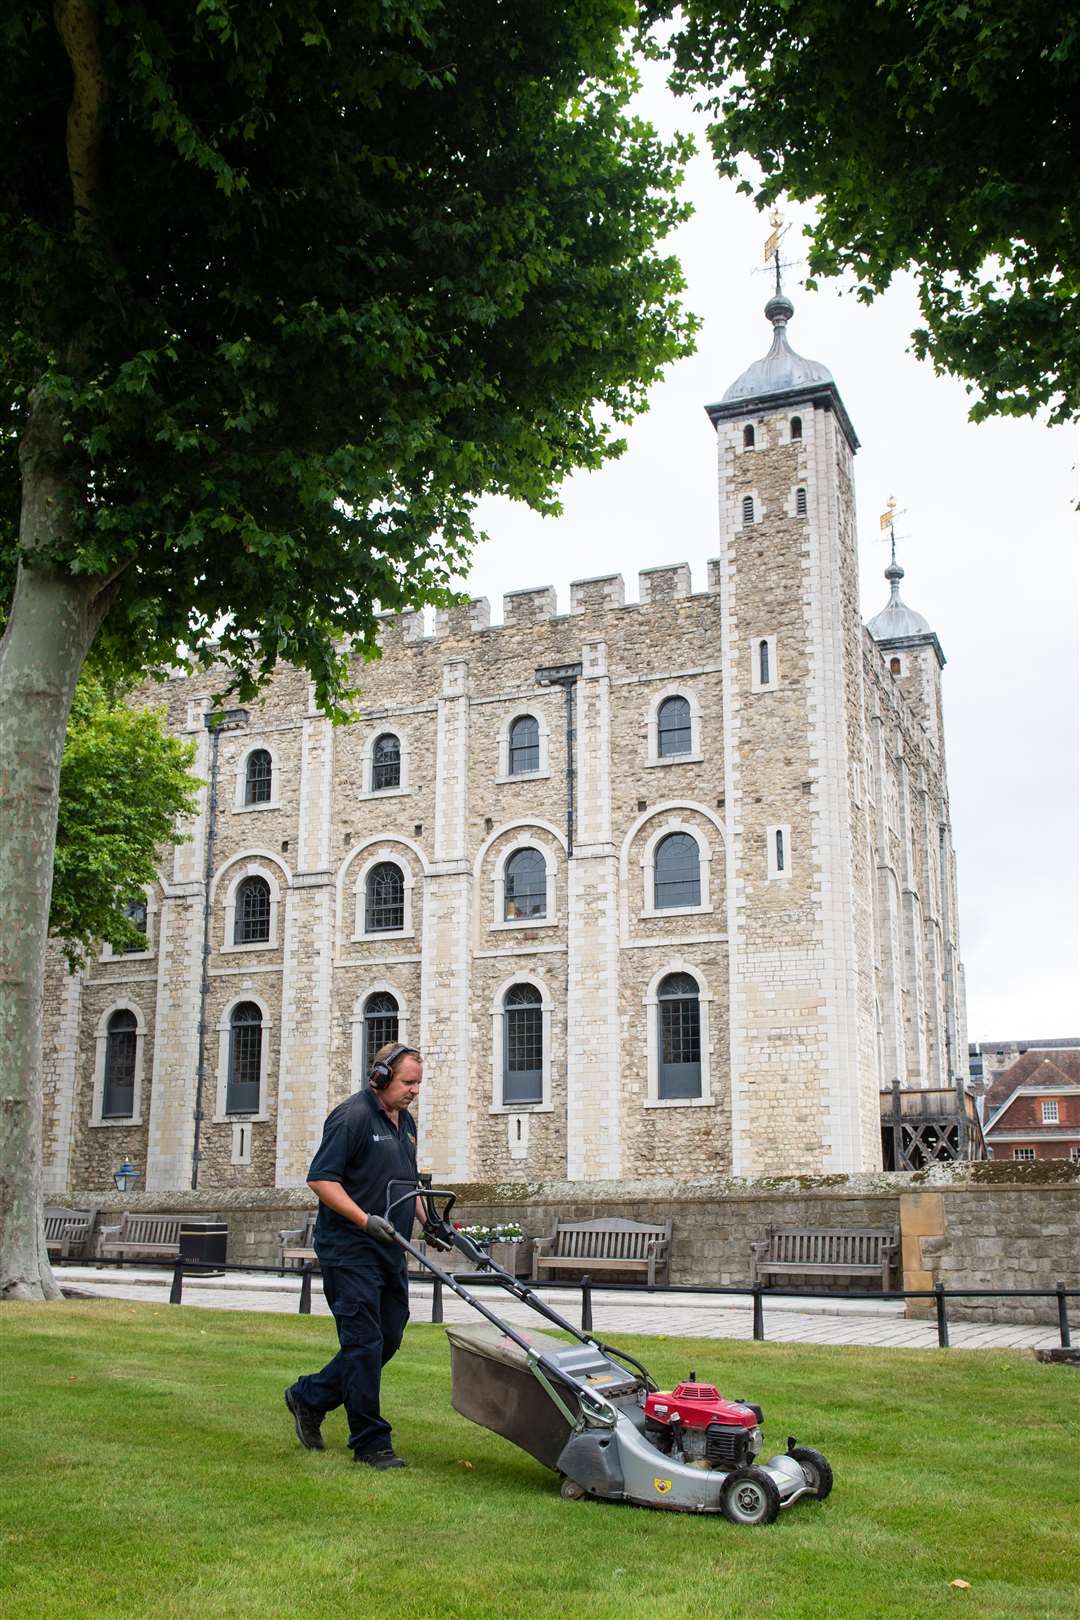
x=772 y=245
x=888 y=521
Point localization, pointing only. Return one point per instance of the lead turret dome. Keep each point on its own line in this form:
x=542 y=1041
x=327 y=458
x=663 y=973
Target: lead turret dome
x=781 y=370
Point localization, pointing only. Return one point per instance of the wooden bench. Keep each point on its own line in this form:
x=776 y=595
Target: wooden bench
x=154 y=1235
x=295 y=1243
x=817 y=1251
x=66 y=1230
x=599 y=1247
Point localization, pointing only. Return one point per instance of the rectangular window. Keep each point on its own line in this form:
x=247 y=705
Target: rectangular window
x=523 y=1063
x=679 y=1072
x=1023 y=1153
x=1050 y=1113
x=245 y=1061
x=1074 y=1155
x=118 y=1101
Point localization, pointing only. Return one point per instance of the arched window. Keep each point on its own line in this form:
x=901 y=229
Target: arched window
x=747 y=511
x=252 y=921
x=796 y=427
x=678 y=1038
x=384 y=899
x=678 y=872
x=245 y=1059
x=748 y=438
x=135 y=912
x=525 y=885
x=258 y=777
x=380 y=1025
x=385 y=762
x=895 y=666
x=763 y=663
x=118 y=1092
x=524 y=751
x=523 y=1045
x=673 y=728
x=800 y=502
x=779 y=849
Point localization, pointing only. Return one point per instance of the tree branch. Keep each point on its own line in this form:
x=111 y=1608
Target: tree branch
x=77 y=24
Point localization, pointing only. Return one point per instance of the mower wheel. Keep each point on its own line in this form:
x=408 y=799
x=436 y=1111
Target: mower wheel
x=816 y=1470
x=749 y=1496
x=571 y=1492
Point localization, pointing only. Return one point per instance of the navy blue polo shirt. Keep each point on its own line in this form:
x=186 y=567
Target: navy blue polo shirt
x=361 y=1149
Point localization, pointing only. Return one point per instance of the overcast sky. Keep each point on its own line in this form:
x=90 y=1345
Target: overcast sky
x=989 y=549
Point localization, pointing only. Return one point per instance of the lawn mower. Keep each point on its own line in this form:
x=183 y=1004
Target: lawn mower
x=593 y=1414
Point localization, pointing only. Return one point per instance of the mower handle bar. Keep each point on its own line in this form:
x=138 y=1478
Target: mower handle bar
x=472 y=1251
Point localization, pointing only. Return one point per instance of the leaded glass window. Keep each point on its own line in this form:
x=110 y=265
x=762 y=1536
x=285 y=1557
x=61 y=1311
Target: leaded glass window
x=678 y=1038
x=251 y=924
x=678 y=872
x=523 y=1045
x=245 y=1059
x=384 y=899
x=385 y=762
x=380 y=1025
x=673 y=735
x=524 y=754
x=763 y=663
x=121 y=1045
x=259 y=777
x=525 y=885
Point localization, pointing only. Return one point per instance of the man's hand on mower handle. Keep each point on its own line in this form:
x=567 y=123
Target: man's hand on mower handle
x=377 y=1226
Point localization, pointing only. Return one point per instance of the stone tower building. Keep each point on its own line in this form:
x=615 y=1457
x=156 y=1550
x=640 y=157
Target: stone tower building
x=660 y=888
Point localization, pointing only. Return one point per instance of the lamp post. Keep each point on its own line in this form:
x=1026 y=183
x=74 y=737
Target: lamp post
x=126 y=1177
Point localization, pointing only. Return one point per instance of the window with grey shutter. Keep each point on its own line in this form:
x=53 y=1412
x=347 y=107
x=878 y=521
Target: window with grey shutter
x=678 y=872
x=523 y=1045
x=678 y=1038
x=245 y=1059
x=800 y=502
x=673 y=731
x=118 y=1092
x=524 y=752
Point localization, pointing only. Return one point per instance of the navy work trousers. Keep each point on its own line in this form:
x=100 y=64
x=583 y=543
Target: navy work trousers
x=370 y=1302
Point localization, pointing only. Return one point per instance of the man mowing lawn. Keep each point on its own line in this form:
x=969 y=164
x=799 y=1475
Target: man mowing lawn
x=368 y=1142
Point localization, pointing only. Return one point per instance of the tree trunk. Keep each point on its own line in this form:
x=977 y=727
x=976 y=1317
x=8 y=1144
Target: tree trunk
x=53 y=620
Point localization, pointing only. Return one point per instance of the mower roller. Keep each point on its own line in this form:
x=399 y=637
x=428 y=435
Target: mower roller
x=594 y=1415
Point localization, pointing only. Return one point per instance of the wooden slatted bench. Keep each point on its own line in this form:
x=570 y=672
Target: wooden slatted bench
x=157 y=1236
x=66 y=1230
x=599 y=1247
x=295 y=1243
x=818 y=1251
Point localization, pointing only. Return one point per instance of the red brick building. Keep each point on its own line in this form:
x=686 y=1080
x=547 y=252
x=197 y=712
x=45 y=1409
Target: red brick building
x=1032 y=1110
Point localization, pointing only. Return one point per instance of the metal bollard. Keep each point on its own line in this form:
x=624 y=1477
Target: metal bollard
x=1063 y=1317
x=942 y=1323
x=759 y=1314
x=586 y=1304
x=436 y=1300
x=176 y=1292
x=305 y=1290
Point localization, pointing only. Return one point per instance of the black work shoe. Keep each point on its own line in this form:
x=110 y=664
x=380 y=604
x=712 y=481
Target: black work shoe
x=308 y=1422
x=381 y=1459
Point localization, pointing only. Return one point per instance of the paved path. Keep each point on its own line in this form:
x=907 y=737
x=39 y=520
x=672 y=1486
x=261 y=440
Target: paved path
x=689 y=1316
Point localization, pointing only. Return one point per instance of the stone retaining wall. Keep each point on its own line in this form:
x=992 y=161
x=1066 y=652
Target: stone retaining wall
x=985 y=1226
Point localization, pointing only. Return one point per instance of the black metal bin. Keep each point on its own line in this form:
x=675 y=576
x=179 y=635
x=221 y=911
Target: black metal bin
x=203 y=1243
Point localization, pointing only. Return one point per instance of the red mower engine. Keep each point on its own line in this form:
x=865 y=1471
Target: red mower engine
x=696 y=1422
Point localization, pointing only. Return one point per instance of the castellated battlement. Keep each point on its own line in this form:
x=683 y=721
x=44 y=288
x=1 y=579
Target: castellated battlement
x=602 y=593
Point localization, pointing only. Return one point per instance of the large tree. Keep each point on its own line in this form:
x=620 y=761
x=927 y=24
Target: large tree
x=930 y=134
x=283 y=289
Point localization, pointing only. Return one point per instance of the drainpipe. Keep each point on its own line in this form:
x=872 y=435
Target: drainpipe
x=215 y=722
x=566 y=676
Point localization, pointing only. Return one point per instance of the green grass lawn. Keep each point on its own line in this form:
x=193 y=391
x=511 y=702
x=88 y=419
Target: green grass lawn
x=150 y=1469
